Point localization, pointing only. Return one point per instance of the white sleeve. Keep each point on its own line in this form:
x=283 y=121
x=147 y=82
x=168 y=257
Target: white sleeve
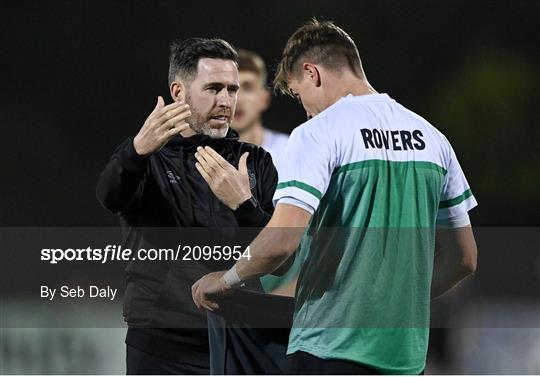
x=458 y=221
x=307 y=166
x=296 y=203
x=456 y=197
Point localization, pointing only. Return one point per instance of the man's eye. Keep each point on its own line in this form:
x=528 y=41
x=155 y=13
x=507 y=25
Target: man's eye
x=214 y=89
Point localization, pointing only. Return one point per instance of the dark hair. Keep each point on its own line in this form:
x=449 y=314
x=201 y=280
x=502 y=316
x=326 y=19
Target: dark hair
x=251 y=62
x=321 y=42
x=185 y=55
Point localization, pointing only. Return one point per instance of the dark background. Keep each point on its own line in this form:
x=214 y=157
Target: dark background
x=80 y=76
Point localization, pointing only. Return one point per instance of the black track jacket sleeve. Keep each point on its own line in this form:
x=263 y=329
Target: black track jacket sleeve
x=122 y=181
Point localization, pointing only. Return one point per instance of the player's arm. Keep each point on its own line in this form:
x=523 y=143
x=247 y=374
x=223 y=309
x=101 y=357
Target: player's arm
x=122 y=180
x=276 y=242
x=455 y=251
x=298 y=197
x=455 y=258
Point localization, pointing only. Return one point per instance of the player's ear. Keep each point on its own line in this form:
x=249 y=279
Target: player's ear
x=178 y=91
x=312 y=73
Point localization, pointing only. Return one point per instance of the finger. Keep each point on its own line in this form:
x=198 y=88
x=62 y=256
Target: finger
x=206 y=159
x=204 y=166
x=177 y=129
x=194 y=293
x=206 y=303
x=204 y=174
x=195 y=285
x=159 y=104
x=168 y=123
x=210 y=305
x=200 y=298
x=167 y=108
x=203 y=302
x=217 y=157
x=196 y=298
x=170 y=133
x=242 y=164
x=168 y=114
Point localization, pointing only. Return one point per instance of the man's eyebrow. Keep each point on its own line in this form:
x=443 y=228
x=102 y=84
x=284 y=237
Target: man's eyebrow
x=221 y=85
x=214 y=84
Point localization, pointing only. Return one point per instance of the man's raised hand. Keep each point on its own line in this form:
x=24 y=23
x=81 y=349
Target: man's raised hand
x=161 y=126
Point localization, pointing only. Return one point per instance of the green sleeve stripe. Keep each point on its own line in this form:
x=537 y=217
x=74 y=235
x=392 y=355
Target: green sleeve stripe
x=452 y=202
x=385 y=163
x=301 y=185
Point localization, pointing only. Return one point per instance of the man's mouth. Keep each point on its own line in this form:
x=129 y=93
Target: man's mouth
x=223 y=119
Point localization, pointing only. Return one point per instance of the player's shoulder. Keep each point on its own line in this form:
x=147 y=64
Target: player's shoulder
x=419 y=122
x=327 y=123
x=314 y=125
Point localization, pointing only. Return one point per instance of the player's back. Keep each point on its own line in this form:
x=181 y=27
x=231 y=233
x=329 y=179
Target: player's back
x=365 y=284
x=388 y=156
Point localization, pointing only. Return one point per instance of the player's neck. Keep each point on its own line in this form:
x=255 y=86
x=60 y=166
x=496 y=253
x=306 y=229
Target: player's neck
x=253 y=134
x=360 y=88
x=350 y=84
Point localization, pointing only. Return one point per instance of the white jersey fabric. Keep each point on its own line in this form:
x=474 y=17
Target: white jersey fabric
x=275 y=143
x=329 y=141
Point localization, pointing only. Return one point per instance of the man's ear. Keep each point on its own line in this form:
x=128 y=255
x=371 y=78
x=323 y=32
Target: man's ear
x=312 y=73
x=178 y=91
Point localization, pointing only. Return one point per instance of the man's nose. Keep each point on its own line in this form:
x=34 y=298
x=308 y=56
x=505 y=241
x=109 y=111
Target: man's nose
x=223 y=98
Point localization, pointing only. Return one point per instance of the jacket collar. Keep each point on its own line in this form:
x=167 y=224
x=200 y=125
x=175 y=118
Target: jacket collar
x=190 y=144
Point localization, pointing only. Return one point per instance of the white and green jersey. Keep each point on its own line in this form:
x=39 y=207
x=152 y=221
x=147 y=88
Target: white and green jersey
x=376 y=177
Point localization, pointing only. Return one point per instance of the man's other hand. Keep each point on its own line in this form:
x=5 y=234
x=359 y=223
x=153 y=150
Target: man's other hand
x=230 y=185
x=161 y=126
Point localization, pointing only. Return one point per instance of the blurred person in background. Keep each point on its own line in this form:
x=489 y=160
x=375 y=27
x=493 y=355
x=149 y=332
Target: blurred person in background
x=253 y=100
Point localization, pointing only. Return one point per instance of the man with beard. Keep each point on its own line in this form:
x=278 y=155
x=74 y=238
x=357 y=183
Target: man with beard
x=153 y=180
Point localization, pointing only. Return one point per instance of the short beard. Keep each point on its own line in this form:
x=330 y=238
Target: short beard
x=212 y=133
x=200 y=126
